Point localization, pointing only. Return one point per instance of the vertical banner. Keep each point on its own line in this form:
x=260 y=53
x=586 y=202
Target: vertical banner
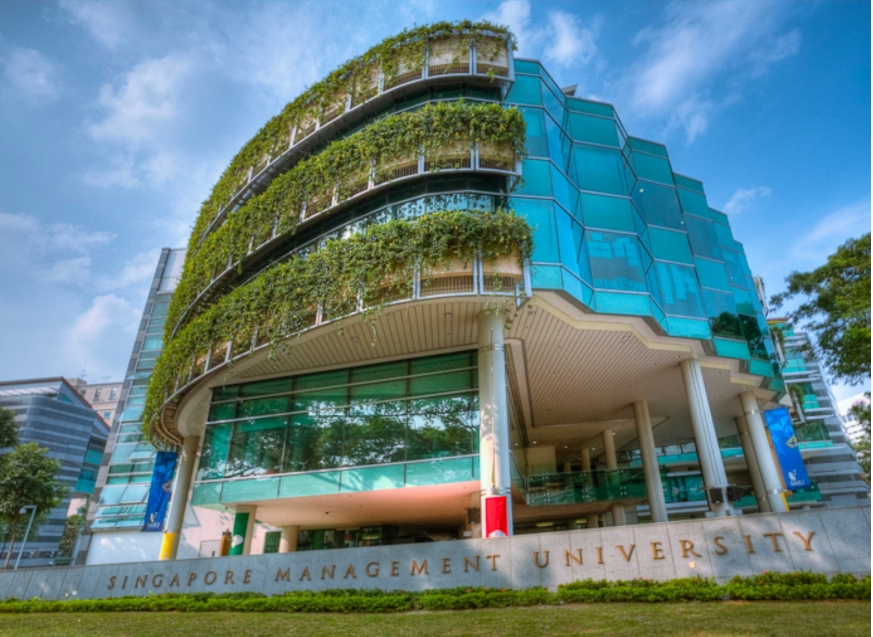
x=238 y=540
x=496 y=517
x=159 y=493
x=787 y=449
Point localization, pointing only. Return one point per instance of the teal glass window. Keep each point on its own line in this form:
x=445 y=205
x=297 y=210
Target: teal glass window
x=645 y=146
x=257 y=447
x=693 y=203
x=587 y=106
x=559 y=144
x=691 y=184
x=616 y=261
x=719 y=217
x=540 y=215
x=608 y=213
x=536 y=141
x=599 y=170
x=701 y=235
x=743 y=300
x=754 y=336
x=735 y=270
x=725 y=237
x=680 y=293
x=525 y=90
x=213 y=457
x=670 y=245
x=569 y=238
x=537 y=181
x=658 y=205
x=266 y=387
x=554 y=102
x=595 y=130
x=262 y=406
x=222 y=411
x=564 y=191
x=524 y=66
x=652 y=168
x=712 y=274
x=722 y=312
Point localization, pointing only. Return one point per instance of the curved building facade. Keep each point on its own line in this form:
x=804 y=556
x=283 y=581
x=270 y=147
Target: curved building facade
x=440 y=297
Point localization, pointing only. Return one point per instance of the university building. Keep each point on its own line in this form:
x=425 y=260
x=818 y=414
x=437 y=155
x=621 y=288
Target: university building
x=440 y=297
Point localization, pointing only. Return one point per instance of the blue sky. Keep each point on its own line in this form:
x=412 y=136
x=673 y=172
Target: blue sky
x=119 y=116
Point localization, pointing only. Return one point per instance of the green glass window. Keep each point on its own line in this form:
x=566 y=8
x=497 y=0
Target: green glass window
x=670 y=245
x=658 y=205
x=645 y=146
x=691 y=184
x=271 y=541
x=754 y=336
x=599 y=170
x=525 y=90
x=607 y=213
x=712 y=274
x=266 y=387
x=680 y=293
x=595 y=130
x=536 y=141
x=537 y=181
x=222 y=411
x=616 y=261
x=586 y=106
x=213 y=458
x=262 y=406
x=725 y=237
x=693 y=203
x=564 y=191
x=701 y=234
x=523 y=66
x=540 y=215
x=735 y=270
x=652 y=168
x=722 y=312
x=257 y=447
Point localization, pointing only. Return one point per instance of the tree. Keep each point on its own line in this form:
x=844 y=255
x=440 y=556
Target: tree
x=837 y=310
x=73 y=529
x=8 y=428
x=27 y=477
x=862 y=447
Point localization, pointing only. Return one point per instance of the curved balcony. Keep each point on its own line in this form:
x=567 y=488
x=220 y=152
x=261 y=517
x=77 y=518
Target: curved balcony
x=485 y=158
x=441 y=66
x=455 y=278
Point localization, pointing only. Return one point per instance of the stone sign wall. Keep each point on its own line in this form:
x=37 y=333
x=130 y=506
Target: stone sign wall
x=823 y=541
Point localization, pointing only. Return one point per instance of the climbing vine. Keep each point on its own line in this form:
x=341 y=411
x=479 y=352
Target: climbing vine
x=402 y=51
x=283 y=300
x=435 y=130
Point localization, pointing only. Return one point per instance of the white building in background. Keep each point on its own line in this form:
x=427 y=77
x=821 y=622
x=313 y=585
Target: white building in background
x=854 y=429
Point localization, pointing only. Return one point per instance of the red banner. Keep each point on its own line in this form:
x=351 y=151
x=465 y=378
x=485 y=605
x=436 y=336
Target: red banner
x=496 y=516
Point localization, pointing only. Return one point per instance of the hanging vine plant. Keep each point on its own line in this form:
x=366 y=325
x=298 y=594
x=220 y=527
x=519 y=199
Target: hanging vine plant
x=282 y=301
x=391 y=56
x=433 y=131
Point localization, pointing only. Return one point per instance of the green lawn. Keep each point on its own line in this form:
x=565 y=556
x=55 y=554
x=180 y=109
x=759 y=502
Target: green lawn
x=788 y=619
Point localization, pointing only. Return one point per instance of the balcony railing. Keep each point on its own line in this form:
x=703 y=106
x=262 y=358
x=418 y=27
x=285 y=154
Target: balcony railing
x=436 y=65
x=585 y=486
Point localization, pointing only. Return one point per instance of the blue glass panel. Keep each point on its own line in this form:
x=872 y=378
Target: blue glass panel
x=735 y=271
x=206 y=494
x=576 y=288
x=525 y=90
x=537 y=143
x=250 y=489
x=693 y=203
x=761 y=368
x=712 y=274
x=724 y=235
x=536 y=180
x=659 y=205
x=731 y=349
x=540 y=214
x=690 y=184
x=686 y=327
x=524 y=66
x=420 y=474
x=599 y=170
x=719 y=217
x=722 y=313
x=743 y=300
x=546 y=277
x=559 y=144
x=652 y=168
x=670 y=245
x=609 y=213
x=647 y=147
x=595 y=130
x=616 y=262
x=701 y=234
x=569 y=238
x=618 y=303
x=587 y=106
x=553 y=104
x=680 y=293
x=306 y=484
x=372 y=478
x=565 y=192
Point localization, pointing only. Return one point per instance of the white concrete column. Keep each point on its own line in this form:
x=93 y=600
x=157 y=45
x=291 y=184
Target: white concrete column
x=752 y=464
x=288 y=540
x=708 y=453
x=591 y=521
x=651 y=469
x=763 y=453
x=618 y=517
x=609 y=450
x=494 y=442
x=179 y=501
x=586 y=459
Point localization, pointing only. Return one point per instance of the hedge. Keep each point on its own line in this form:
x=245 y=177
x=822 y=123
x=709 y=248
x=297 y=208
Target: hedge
x=768 y=586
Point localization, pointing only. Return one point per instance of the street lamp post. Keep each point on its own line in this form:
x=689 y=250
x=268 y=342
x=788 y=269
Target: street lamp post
x=22 y=511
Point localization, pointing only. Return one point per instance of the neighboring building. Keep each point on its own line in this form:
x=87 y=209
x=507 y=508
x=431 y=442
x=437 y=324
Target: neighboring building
x=103 y=397
x=626 y=378
x=52 y=413
x=123 y=481
x=836 y=469
x=853 y=427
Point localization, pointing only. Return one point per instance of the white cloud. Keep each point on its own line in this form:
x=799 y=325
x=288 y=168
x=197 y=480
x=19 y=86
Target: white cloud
x=76 y=270
x=515 y=14
x=96 y=341
x=742 y=198
x=570 y=43
x=781 y=47
x=834 y=229
x=107 y=22
x=31 y=75
x=23 y=236
x=138 y=269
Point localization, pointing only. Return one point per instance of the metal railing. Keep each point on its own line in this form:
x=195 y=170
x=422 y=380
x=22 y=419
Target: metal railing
x=585 y=486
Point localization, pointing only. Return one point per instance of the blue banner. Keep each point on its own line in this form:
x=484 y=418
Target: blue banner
x=159 y=493
x=787 y=449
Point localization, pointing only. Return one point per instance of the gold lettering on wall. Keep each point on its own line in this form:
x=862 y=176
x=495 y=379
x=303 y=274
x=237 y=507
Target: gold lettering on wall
x=493 y=559
x=688 y=547
x=305 y=574
x=207 y=580
x=749 y=547
x=247 y=576
x=576 y=558
x=545 y=561
x=722 y=549
x=328 y=571
x=447 y=565
x=285 y=575
x=657 y=551
x=418 y=569
x=370 y=570
x=395 y=569
x=599 y=555
x=627 y=556
x=350 y=572
x=807 y=541
x=775 y=538
x=469 y=562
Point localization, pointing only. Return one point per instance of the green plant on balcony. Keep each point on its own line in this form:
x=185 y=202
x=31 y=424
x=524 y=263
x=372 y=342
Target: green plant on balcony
x=426 y=131
x=283 y=300
x=405 y=49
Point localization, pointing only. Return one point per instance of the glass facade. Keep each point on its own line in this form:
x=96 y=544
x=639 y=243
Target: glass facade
x=622 y=233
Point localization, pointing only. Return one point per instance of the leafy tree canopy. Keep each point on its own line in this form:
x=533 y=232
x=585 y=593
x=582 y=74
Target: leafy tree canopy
x=837 y=309
x=8 y=428
x=862 y=447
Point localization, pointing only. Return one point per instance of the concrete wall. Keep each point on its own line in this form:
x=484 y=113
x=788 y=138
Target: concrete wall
x=823 y=541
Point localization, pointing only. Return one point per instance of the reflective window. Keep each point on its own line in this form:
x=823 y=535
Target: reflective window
x=525 y=90
x=595 y=130
x=670 y=245
x=599 y=170
x=680 y=293
x=701 y=234
x=608 y=213
x=658 y=205
x=652 y=168
x=616 y=261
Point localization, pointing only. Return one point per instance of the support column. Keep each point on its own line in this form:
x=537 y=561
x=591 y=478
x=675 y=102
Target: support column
x=243 y=529
x=752 y=464
x=609 y=450
x=618 y=517
x=288 y=540
x=591 y=521
x=179 y=501
x=494 y=442
x=763 y=453
x=586 y=459
x=651 y=469
x=708 y=453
